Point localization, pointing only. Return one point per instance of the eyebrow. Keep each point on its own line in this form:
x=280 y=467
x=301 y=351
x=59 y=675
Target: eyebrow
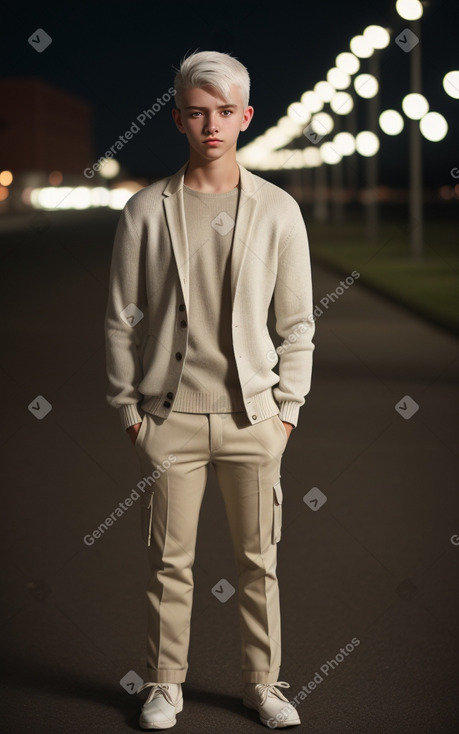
x=221 y=107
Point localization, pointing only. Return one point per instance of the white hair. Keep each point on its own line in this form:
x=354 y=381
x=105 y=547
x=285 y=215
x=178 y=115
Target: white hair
x=215 y=69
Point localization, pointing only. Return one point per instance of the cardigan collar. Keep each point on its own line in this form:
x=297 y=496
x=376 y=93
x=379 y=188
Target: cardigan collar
x=246 y=181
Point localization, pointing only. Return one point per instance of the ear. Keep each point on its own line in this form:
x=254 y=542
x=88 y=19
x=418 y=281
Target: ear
x=247 y=117
x=177 y=115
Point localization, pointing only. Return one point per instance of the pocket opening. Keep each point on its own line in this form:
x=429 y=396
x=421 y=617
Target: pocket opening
x=147 y=518
x=277 y=512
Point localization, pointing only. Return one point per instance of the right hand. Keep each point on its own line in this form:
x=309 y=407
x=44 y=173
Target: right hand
x=133 y=431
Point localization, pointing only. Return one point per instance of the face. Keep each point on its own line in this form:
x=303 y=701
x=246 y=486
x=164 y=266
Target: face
x=205 y=116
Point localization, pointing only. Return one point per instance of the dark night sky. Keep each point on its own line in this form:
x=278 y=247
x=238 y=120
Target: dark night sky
x=119 y=56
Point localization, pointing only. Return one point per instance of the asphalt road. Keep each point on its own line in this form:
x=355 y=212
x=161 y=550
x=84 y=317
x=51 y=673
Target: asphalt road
x=373 y=565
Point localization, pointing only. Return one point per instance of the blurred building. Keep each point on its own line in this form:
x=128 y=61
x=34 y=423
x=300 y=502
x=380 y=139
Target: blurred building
x=43 y=129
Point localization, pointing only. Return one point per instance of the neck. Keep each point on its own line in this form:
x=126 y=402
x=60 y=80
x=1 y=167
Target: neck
x=212 y=176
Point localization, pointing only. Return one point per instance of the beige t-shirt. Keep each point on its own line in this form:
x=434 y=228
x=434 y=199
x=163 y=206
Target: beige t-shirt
x=210 y=382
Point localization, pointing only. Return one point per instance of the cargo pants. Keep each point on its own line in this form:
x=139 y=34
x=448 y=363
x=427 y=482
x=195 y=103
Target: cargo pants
x=175 y=453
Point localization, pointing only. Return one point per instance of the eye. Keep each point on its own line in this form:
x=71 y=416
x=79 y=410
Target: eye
x=194 y=113
x=230 y=112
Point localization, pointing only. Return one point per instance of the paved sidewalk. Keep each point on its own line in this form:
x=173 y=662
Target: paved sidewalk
x=369 y=579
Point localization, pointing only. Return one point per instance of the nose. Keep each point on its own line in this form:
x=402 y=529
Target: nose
x=211 y=124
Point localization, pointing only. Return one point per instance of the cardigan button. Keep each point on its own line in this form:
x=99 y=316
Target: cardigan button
x=167 y=404
x=254 y=417
x=170 y=395
x=182 y=307
x=183 y=323
x=178 y=356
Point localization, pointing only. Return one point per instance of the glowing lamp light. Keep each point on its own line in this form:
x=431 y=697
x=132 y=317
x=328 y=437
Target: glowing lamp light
x=347 y=62
x=312 y=101
x=274 y=137
x=298 y=113
x=409 y=9
x=367 y=143
x=338 y=78
x=344 y=143
x=451 y=84
x=55 y=178
x=391 y=122
x=110 y=168
x=6 y=178
x=322 y=123
x=366 y=85
x=361 y=47
x=287 y=125
x=377 y=36
x=312 y=157
x=342 y=103
x=415 y=106
x=433 y=126
x=330 y=154
x=324 y=91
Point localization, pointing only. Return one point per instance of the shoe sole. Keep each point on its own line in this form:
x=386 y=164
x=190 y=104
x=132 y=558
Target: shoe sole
x=165 y=725
x=279 y=725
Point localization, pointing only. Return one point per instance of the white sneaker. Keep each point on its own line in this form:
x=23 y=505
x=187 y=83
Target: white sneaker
x=164 y=701
x=274 y=709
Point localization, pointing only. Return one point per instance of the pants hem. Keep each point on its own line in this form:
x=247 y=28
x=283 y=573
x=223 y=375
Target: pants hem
x=166 y=676
x=252 y=677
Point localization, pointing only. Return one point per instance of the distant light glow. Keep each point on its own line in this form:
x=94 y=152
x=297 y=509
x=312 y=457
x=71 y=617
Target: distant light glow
x=338 y=78
x=345 y=143
x=391 y=122
x=330 y=154
x=312 y=101
x=312 y=157
x=451 y=84
x=6 y=178
x=409 y=9
x=299 y=113
x=415 y=106
x=377 y=36
x=367 y=143
x=342 y=103
x=366 y=85
x=347 y=62
x=361 y=47
x=433 y=126
x=4 y=193
x=322 y=123
x=324 y=91
x=55 y=178
x=81 y=197
x=109 y=168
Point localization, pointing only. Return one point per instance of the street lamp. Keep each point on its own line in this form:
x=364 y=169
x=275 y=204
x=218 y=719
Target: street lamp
x=412 y=10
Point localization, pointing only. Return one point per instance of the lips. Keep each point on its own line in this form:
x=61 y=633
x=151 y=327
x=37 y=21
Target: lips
x=213 y=140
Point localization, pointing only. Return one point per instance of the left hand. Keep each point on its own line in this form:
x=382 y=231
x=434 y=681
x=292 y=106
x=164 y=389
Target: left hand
x=289 y=428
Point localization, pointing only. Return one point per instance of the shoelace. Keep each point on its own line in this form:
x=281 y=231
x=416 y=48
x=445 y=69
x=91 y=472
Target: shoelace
x=161 y=688
x=266 y=688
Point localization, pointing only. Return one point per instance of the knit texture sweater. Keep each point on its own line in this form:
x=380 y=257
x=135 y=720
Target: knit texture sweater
x=210 y=382
x=153 y=289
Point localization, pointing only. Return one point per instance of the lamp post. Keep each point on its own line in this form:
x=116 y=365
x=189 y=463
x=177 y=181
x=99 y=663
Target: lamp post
x=412 y=10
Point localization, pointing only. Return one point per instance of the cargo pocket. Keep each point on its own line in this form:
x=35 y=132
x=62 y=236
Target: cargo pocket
x=146 y=516
x=277 y=512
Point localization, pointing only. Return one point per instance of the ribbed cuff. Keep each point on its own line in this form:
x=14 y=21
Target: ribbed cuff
x=130 y=415
x=289 y=412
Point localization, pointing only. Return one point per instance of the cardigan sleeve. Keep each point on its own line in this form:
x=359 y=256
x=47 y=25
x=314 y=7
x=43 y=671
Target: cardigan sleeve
x=125 y=320
x=293 y=308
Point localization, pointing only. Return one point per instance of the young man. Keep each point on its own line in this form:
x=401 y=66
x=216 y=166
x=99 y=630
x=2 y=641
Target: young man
x=197 y=259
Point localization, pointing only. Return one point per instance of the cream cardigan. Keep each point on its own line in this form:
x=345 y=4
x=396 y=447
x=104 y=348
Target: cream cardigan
x=146 y=319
